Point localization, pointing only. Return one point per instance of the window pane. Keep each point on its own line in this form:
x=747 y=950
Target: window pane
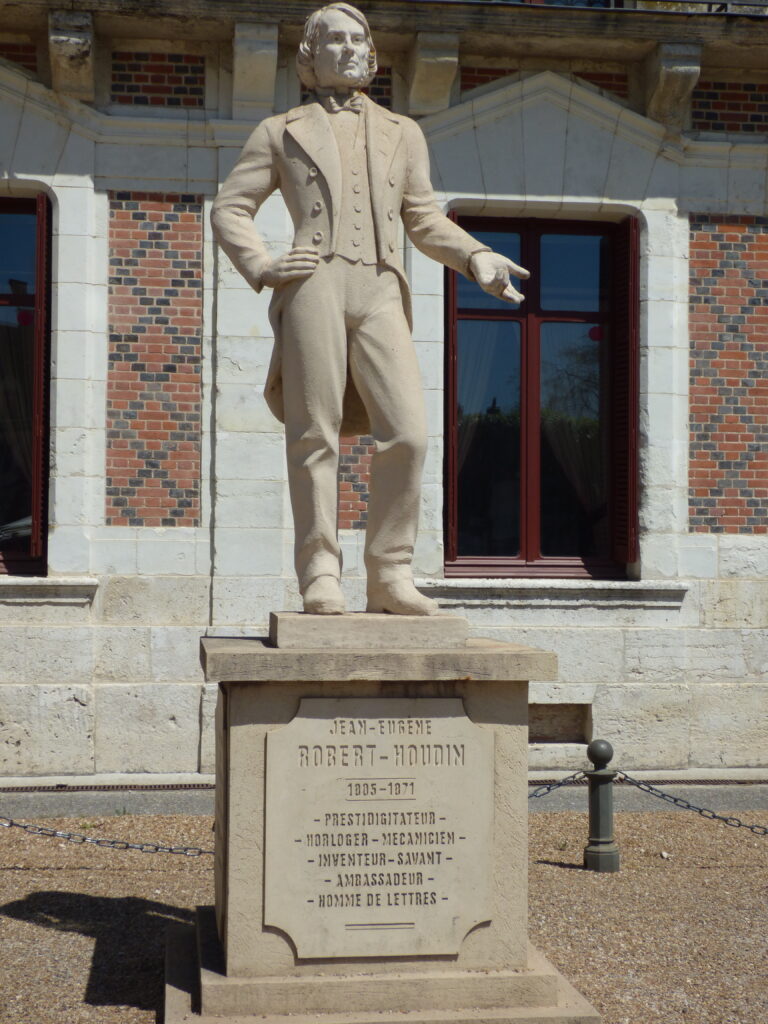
x=488 y=456
x=17 y=254
x=574 y=272
x=472 y=296
x=574 y=511
x=16 y=459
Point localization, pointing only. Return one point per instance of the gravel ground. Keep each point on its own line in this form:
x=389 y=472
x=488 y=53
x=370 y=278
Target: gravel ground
x=678 y=936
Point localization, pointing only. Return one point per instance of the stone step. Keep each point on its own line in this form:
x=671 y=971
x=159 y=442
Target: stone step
x=366 y=631
x=182 y=979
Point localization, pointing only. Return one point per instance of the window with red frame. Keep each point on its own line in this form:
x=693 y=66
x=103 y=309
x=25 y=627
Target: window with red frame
x=541 y=417
x=24 y=331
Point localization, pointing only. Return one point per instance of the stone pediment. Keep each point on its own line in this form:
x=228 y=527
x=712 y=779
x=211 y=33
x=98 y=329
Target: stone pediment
x=547 y=137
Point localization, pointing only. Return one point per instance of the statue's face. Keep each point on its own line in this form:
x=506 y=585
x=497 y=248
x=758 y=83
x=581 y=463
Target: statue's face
x=341 y=57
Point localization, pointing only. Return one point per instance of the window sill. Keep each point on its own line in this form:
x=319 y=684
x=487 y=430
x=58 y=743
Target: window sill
x=47 y=589
x=565 y=593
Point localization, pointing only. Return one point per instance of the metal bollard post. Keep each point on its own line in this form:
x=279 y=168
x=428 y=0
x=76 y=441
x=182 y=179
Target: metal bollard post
x=601 y=852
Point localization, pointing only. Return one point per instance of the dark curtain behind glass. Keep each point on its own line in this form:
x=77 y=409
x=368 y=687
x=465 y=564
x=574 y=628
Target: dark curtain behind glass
x=18 y=237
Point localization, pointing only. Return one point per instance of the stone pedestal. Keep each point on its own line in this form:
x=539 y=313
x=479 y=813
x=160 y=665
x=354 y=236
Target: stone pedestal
x=371 y=831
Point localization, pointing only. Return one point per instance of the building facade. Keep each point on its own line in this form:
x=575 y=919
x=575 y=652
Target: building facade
x=597 y=476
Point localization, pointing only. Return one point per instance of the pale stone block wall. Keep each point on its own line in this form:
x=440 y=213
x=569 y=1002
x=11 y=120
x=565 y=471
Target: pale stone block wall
x=674 y=672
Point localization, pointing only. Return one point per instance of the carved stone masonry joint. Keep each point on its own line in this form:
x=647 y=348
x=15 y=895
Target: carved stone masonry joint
x=71 y=47
x=672 y=72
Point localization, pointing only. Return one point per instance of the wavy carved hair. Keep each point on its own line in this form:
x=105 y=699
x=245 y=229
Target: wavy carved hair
x=305 y=58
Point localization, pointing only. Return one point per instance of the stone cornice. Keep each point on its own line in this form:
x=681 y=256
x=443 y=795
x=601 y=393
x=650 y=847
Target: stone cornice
x=215 y=19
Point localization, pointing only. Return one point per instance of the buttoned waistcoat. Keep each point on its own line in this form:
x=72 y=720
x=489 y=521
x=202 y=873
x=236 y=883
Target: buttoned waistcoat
x=296 y=153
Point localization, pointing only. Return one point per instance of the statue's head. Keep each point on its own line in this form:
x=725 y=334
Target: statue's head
x=337 y=50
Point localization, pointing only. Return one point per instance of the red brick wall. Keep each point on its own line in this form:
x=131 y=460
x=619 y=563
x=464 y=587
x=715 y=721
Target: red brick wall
x=611 y=81
x=379 y=90
x=354 y=465
x=729 y=106
x=729 y=375
x=472 y=77
x=153 y=382
x=158 y=79
x=20 y=53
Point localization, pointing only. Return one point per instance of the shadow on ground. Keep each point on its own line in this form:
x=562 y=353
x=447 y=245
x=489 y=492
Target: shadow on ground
x=127 y=964
x=568 y=865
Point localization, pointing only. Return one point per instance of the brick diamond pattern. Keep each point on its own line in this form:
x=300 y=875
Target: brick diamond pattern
x=729 y=375
x=354 y=467
x=158 y=79
x=24 y=54
x=730 y=107
x=154 y=423
x=380 y=89
x=611 y=81
x=471 y=77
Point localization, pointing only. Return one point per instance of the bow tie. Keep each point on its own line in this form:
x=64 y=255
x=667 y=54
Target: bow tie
x=333 y=104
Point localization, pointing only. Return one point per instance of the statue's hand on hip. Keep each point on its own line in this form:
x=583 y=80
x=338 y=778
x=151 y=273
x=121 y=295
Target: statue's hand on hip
x=291 y=266
x=491 y=270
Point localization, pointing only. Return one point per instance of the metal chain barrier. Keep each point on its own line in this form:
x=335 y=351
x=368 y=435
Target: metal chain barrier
x=540 y=791
x=108 y=844
x=552 y=786
x=678 y=801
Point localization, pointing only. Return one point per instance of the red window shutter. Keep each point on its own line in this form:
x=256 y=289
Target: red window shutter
x=40 y=403
x=624 y=396
x=450 y=470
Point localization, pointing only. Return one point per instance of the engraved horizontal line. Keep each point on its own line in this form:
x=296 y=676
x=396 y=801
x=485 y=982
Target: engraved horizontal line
x=377 y=799
x=377 y=926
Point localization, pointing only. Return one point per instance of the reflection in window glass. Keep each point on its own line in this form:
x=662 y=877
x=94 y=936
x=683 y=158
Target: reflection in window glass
x=472 y=296
x=17 y=254
x=574 y=272
x=16 y=417
x=488 y=420
x=574 y=516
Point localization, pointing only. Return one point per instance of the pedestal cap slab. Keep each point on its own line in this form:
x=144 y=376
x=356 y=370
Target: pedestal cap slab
x=228 y=660
x=366 y=631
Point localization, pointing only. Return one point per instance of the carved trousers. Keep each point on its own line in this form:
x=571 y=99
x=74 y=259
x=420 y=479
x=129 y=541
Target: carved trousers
x=348 y=317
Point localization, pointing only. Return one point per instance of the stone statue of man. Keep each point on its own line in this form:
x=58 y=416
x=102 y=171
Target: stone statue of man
x=343 y=359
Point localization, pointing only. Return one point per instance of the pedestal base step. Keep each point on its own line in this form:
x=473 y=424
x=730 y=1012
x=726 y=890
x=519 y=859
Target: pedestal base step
x=182 y=1000
x=292 y=631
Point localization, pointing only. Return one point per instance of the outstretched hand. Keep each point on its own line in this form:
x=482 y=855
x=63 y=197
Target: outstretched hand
x=291 y=266
x=491 y=270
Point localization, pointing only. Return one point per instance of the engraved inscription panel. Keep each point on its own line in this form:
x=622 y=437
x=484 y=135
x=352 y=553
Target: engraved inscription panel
x=379 y=820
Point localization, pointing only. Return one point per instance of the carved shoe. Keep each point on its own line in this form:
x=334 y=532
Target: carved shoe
x=323 y=596
x=399 y=598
